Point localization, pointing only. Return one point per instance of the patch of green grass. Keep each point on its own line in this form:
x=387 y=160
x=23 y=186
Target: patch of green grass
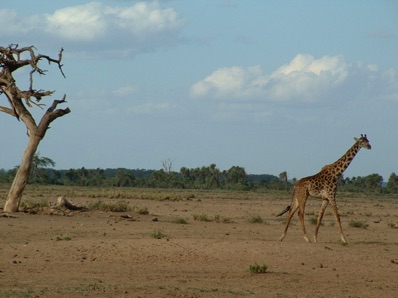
x=256 y=219
x=97 y=205
x=158 y=234
x=42 y=203
x=64 y=237
x=358 y=224
x=120 y=206
x=91 y=287
x=201 y=217
x=179 y=220
x=16 y=293
x=222 y=219
x=141 y=210
x=256 y=268
x=313 y=220
x=347 y=213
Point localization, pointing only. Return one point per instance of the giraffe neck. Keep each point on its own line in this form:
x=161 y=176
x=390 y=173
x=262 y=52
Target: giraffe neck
x=343 y=162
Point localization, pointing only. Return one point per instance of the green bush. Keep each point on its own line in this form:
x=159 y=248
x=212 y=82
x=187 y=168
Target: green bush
x=256 y=268
x=358 y=224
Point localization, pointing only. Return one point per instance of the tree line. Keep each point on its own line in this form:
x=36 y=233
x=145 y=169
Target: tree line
x=205 y=177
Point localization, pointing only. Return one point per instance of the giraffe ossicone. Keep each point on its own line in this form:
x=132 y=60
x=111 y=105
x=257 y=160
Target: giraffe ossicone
x=324 y=186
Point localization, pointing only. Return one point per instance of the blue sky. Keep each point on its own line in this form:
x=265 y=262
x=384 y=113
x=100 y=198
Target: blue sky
x=271 y=86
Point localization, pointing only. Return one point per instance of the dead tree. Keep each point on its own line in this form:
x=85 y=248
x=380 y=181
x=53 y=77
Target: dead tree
x=13 y=58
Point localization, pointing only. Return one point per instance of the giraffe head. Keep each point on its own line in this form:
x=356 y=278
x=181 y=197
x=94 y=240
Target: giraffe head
x=363 y=142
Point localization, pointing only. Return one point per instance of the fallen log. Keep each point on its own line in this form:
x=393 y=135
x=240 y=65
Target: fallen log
x=62 y=202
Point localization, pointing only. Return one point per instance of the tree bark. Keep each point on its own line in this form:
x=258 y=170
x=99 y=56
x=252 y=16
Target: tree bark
x=11 y=59
x=22 y=176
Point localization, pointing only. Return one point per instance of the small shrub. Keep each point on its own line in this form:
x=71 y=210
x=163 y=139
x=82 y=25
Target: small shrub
x=158 y=234
x=120 y=206
x=97 y=205
x=313 y=220
x=358 y=224
x=256 y=268
x=141 y=210
x=201 y=217
x=256 y=219
x=180 y=220
x=64 y=237
x=222 y=219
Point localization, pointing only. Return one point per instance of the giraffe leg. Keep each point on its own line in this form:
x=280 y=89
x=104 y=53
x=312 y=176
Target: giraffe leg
x=320 y=216
x=292 y=210
x=301 y=217
x=337 y=216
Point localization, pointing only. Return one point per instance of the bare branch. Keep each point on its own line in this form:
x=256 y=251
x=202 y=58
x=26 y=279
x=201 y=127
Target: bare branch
x=51 y=114
x=13 y=58
x=56 y=103
x=49 y=59
x=8 y=111
x=38 y=94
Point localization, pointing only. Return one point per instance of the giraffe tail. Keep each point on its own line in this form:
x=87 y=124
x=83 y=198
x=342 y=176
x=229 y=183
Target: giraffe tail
x=284 y=211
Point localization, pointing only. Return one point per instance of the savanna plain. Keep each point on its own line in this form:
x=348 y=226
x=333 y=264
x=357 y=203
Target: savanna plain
x=191 y=243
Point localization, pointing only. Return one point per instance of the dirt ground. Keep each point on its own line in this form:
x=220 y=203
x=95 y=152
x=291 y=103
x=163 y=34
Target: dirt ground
x=116 y=254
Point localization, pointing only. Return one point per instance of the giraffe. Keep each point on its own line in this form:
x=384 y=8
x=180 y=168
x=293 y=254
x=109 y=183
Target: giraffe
x=322 y=185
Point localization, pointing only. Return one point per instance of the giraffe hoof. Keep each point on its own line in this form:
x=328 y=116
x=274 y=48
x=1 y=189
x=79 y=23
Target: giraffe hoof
x=306 y=239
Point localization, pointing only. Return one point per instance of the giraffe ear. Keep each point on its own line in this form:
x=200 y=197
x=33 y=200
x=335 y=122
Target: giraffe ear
x=356 y=139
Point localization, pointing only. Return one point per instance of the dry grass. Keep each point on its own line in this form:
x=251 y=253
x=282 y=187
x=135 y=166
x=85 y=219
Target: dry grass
x=168 y=257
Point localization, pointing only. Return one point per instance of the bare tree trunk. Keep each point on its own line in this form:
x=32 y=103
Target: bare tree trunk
x=22 y=176
x=13 y=58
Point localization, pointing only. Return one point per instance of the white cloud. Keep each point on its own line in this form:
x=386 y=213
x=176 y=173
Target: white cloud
x=131 y=29
x=125 y=91
x=146 y=17
x=303 y=79
x=306 y=78
x=231 y=82
x=85 y=22
x=94 y=20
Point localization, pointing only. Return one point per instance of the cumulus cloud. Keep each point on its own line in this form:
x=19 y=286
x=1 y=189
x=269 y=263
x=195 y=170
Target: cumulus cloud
x=231 y=82
x=84 y=22
x=131 y=29
x=303 y=79
x=306 y=78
